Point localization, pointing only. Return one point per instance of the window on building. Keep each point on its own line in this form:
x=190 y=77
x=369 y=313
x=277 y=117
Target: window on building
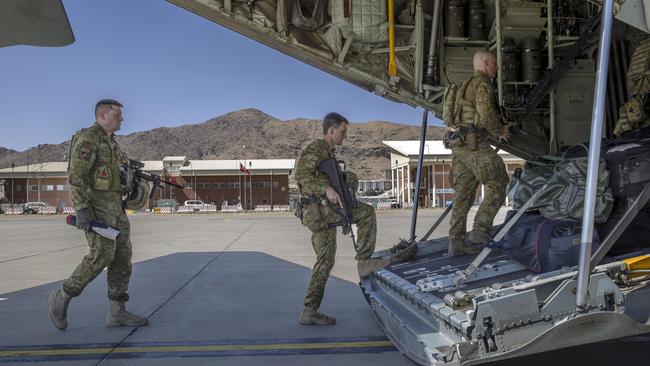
x=187 y=186
x=220 y=185
x=265 y=202
x=63 y=187
x=33 y=187
x=47 y=187
x=276 y=184
x=204 y=185
x=248 y=185
x=233 y=185
x=19 y=188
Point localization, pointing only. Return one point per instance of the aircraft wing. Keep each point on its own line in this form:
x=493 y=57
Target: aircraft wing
x=34 y=23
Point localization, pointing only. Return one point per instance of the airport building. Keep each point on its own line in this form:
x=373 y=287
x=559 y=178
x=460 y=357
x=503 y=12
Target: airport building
x=251 y=182
x=435 y=187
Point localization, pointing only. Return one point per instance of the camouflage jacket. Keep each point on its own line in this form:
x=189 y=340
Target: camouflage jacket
x=480 y=93
x=94 y=164
x=309 y=178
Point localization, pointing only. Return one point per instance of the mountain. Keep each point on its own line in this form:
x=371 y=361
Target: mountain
x=263 y=136
x=6 y=152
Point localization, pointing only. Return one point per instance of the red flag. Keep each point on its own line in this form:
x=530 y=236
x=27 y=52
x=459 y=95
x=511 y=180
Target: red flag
x=243 y=169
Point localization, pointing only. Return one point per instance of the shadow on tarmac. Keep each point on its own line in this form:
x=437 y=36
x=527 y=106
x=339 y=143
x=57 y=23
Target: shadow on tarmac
x=210 y=304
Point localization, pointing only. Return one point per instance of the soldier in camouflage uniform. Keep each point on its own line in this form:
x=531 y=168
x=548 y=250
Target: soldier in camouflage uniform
x=632 y=114
x=98 y=176
x=319 y=201
x=474 y=160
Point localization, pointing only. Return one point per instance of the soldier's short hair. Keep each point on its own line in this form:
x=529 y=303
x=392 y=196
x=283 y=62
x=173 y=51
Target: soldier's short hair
x=480 y=56
x=333 y=120
x=105 y=104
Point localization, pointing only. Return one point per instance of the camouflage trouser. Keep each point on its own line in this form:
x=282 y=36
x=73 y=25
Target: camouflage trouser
x=116 y=255
x=468 y=169
x=323 y=240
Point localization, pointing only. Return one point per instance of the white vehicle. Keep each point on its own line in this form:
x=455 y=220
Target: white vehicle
x=194 y=204
x=33 y=207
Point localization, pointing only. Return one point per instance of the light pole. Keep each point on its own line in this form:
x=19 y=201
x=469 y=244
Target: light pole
x=12 y=185
x=28 y=187
x=250 y=181
x=396 y=187
x=245 y=205
x=193 y=177
x=271 y=187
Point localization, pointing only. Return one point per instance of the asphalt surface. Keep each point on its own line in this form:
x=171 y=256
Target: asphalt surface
x=221 y=289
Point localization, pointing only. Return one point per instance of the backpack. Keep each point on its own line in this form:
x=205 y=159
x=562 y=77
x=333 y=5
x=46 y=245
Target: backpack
x=453 y=99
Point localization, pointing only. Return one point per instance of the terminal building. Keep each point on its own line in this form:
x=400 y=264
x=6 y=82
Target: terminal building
x=252 y=182
x=249 y=182
x=435 y=187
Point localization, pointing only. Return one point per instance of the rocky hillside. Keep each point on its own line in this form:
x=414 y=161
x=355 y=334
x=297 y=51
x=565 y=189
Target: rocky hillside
x=265 y=137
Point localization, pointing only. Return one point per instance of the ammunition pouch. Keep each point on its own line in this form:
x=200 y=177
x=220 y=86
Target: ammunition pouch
x=469 y=137
x=128 y=182
x=304 y=201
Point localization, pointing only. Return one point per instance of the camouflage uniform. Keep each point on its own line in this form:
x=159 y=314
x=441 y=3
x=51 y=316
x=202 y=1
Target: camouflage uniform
x=469 y=166
x=316 y=216
x=631 y=116
x=95 y=161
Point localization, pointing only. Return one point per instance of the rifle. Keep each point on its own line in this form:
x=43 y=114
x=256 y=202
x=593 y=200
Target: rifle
x=136 y=167
x=331 y=168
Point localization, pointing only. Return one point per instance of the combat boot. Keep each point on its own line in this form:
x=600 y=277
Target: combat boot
x=58 y=301
x=470 y=247
x=117 y=315
x=311 y=316
x=456 y=248
x=367 y=266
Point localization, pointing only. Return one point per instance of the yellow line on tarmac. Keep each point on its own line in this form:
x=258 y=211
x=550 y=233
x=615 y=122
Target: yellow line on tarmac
x=162 y=349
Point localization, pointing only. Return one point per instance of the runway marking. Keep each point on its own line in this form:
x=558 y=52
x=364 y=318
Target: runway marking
x=196 y=349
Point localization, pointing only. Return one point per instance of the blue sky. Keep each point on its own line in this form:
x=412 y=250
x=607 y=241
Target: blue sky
x=169 y=67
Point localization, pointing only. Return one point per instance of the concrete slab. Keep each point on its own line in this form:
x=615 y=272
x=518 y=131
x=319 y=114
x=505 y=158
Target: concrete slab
x=223 y=289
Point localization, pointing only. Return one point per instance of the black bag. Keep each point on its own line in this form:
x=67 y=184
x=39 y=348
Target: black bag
x=544 y=245
x=629 y=166
x=634 y=237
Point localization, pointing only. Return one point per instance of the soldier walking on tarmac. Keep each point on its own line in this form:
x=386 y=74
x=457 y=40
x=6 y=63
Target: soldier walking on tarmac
x=97 y=176
x=474 y=160
x=318 y=203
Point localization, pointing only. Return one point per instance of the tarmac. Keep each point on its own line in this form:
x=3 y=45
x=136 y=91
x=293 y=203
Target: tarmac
x=218 y=289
